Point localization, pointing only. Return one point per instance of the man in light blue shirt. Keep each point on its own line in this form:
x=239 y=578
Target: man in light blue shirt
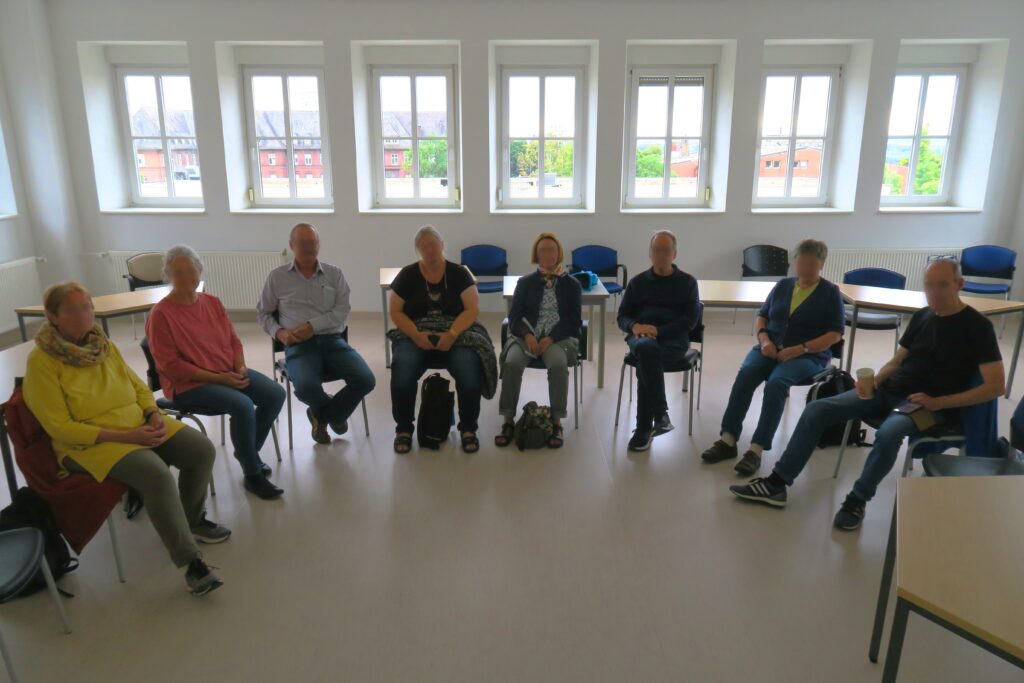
x=305 y=305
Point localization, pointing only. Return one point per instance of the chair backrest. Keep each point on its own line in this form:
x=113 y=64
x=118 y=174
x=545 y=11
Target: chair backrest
x=988 y=260
x=765 y=260
x=875 y=277
x=602 y=261
x=485 y=259
x=152 y=376
x=145 y=270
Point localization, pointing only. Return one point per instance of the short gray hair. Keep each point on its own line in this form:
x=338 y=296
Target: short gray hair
x=953 y=263
x=667 y=233
x=179 y=250
x=423 y=232
x=813 y=247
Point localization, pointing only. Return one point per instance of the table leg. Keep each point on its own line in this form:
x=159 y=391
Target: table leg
x=899 y=629
x=24 y=332
x=600 y=349
x=1016 y=352
x=853 y=337
x=883 y=590
x=384 y=311
x=103 y=323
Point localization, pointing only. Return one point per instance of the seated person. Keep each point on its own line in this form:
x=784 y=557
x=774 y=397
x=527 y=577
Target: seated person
x=800 y=321
x=202 y=366
x=305 y=306
x=940 y=355
x=103 y=421
x=544 y=322
x=434 y=304
x=658 y=311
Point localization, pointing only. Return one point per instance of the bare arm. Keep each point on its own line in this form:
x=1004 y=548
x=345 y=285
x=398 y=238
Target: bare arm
x=470 y=312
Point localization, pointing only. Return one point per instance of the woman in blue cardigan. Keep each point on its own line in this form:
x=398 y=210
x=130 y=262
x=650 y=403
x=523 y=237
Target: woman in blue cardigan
x=801 y=320
x=544 y=322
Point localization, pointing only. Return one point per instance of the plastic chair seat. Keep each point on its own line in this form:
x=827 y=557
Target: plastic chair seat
x=20 y=552
x=490 y=287
x=947 y=465
x=874 y=321
x=688 y=361
x=986 y=287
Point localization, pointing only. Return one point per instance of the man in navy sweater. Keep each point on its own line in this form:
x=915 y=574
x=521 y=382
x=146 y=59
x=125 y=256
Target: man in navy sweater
x=659 y=308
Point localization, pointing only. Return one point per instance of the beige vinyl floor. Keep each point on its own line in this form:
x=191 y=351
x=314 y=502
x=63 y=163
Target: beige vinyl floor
x=584 y=564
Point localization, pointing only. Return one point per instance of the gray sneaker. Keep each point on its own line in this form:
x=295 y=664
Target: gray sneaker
x=200 y=577
x=210 y=532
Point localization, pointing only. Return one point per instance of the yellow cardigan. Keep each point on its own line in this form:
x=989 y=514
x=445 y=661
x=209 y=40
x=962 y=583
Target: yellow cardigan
x=74 y=404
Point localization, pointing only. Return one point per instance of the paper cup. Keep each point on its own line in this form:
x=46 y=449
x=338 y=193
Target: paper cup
x=866 y=382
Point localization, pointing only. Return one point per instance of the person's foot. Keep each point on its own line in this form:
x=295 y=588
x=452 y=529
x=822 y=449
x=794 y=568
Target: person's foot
x=200 y=577
x=319 y=429
x=505 y=436
x=641 y=440
x=210 y=532
x=340 y=428
x=403 y=443
x=761 y=490
x=748 y=464
x=718 y=452
x=851 y=513
x=260 y=486
x=265 y=469
x=663 y=425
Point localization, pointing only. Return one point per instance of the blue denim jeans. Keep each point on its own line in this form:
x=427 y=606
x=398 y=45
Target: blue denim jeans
x=329 y=356
x=652 y=356
x=252 y=411
x=409 y=362
x=777 y=378
x=829 y=411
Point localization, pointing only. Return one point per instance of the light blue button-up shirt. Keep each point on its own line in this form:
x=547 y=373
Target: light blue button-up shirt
x=321 y=300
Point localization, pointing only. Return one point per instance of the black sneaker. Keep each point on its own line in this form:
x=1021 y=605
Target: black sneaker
x=760 y=490
x=210 y=532
x=748 y=464
x=663 y=425
x=319 y=429
x=718 y=452
x=260 y=486
x=340 y=428
x=641 y=439
x=851 y=513
x=200 y=577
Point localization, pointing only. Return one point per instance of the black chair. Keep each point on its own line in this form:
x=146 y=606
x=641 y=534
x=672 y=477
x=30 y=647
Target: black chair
x=692 y=364
x=144 y=270
x=487 y=260
x=281 y=375
x=876 y=277
x=763 y=262
x=577 y=368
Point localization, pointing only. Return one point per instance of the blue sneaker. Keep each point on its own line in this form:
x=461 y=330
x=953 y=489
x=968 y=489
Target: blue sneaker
x=760 y=490
x=851 y=513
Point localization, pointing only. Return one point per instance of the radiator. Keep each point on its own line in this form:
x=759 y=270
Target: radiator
x=19 y=286
x=909 y=262
x=235 y=277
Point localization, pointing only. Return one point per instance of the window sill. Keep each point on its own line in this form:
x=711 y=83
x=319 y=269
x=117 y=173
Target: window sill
x=141 y=210
x=927 y=209
x=8 y=216
x=768 y=210
x=411 y=209
x=263 y=210
x=698 y=210
x=523 y=211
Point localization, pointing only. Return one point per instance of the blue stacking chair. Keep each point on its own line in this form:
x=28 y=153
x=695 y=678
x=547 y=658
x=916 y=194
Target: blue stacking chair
x=487 y=260
x=989 y=261
x=602 y=262
x=876 y=277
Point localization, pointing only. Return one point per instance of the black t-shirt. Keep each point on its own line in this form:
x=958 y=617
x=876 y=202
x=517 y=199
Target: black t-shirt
x=945 y=352
x=422 y=297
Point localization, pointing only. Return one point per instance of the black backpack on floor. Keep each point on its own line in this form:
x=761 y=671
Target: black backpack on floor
x=437 y=412
x=828 y=383
x=28 y=509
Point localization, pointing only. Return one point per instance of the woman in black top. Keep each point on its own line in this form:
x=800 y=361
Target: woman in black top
x=433 y=302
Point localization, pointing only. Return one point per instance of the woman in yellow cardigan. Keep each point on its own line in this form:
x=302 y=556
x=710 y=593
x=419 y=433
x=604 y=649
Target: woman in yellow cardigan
x=104 y=421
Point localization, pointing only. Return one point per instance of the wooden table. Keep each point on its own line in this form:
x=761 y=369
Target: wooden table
x=106 y=306
x=596 y=295
x=958 y=553
x=734 y=293
x=909 y=301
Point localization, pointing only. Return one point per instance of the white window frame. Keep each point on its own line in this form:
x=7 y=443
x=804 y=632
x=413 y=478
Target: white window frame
x=579 y=140
x=952 y=140
x=454 y=198
x=827 y=163
x=255 y=186
x=629 y=155
x=127 y=138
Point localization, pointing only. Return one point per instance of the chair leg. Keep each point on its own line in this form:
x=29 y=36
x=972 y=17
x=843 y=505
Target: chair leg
x=690 y=373
x=575 y=400
x=277 y=446
x=842 y=447
x=115 y=545
x=908 y=462
x=1002 y=327
x=51 y=585
x=686 y=381
x=618 y=403
x=700 y=378
x=8 y=662
x=288 y=394
x=366 y=418
x=223 y=431
x=630 y=383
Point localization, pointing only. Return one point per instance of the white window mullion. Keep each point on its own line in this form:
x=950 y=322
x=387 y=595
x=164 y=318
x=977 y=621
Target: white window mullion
x=666 y=171
x=541 y=138
x=415 y=140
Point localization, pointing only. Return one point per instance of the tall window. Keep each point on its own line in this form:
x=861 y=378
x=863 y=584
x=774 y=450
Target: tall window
x=670 y=113
x=923 y=122
x=795 y=137
x=161 y=137
x=286 y=119
x=417 y=147
x=542 y=138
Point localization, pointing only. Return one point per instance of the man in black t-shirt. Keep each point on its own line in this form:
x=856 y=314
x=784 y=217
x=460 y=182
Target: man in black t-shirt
x=941 y=354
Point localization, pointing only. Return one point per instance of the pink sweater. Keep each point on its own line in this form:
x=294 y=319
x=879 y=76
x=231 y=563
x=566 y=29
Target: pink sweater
x=185 y=338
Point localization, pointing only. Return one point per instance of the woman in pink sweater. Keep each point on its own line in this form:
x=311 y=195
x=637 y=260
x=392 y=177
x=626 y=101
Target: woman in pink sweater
x=202 y=366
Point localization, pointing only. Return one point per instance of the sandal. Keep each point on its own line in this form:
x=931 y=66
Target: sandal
x=555 y=440
x=508 y=432
x=470 y=444
x=403 y=443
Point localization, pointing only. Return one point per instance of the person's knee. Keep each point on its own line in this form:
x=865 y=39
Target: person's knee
x=202 y=452
x=776 y=386
x=363 y=381
x=893 y=431
x=646 y=347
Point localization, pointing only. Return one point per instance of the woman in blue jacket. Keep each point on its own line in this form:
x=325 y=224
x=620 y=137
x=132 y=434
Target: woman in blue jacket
x=544 y=322
x=801 y=320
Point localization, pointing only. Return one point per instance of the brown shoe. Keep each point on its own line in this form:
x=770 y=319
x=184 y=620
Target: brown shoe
x=340 y=429
x=749 y=464
x=718 y=452
x=319 y=429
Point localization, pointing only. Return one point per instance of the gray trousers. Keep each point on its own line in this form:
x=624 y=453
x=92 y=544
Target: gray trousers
x=556 y=360
x=174 y=508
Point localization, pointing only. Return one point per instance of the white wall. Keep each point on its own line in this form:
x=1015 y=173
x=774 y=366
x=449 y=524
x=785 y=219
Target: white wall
x=359 y=242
